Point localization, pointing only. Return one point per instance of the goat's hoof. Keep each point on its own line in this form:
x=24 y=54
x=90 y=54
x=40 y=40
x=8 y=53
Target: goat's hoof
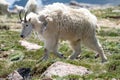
x=63 y=56
x=78 y=57
x=104 y=61
x=96 y=56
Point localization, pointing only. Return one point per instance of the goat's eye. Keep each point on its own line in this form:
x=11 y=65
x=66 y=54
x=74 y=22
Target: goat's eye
x=26 y=25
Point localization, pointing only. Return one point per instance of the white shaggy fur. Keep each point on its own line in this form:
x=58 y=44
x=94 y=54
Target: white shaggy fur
x=18 y=8
x=58 y=21
x=31 y=6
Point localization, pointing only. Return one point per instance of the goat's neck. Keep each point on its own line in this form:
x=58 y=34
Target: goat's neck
x=37 y=27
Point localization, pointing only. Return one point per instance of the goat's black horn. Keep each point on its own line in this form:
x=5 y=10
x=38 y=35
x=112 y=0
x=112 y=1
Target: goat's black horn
x=20 y=15
x=25 y=16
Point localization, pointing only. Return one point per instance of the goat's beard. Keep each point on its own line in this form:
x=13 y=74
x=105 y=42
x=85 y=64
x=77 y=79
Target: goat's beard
x=38 y=36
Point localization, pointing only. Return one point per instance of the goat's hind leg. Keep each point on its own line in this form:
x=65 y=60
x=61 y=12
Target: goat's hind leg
x=94 y=44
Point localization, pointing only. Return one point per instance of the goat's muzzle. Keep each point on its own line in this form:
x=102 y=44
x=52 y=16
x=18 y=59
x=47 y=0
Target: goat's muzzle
x=22 y=36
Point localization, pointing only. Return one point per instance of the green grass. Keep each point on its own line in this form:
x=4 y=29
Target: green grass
x=106 y=13
x=10 y=41
x=110 y=32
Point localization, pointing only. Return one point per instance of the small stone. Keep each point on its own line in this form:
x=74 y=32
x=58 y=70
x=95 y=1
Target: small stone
x=29 y=46
x=14 y=76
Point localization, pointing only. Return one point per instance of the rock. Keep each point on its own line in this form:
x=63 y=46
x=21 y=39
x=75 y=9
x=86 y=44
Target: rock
x=114 y=79
x=20 y=74
x=14 y=76
x=47 y=79
x=63 y=69
x=74 y=3
x=24 y=72
x=29 y=46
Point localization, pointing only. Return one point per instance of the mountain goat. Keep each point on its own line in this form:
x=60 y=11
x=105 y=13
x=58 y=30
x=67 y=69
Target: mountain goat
x=4 y=7
x=58 y=21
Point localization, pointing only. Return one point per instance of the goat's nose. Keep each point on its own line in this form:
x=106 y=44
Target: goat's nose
x=21 y=36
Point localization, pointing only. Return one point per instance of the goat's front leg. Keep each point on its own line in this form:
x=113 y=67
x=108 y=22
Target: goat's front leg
x=75 y=45
x=59 y=54
x=47 y=49
x=46 y=55
x=51 y=45
x=55 y=50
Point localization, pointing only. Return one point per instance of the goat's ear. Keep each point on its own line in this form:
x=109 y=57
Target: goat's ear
x=42 y=18
x=45 y=18
x=29 y=20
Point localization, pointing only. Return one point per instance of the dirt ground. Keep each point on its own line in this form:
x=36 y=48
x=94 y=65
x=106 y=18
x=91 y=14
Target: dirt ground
x=109 y=23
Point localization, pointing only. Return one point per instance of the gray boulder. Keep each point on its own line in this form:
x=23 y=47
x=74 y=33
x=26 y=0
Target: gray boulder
x=63 y=69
